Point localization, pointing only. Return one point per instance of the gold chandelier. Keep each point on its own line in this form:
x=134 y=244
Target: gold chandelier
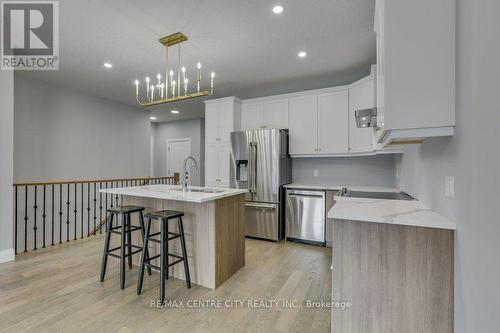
x=172 y=89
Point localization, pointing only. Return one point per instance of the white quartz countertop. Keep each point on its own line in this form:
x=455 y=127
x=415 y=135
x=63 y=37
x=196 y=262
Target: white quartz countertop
x=173 y=192
x=401 y=212
x=326 y=187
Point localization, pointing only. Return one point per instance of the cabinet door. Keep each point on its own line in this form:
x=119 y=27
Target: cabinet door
x=333 y=122
x=211 y=122
x=276 y=114
x=251 y=116
x=223 y=160
x=303 y=122
x=211 y=165
x=360 y=97
x=226 y=121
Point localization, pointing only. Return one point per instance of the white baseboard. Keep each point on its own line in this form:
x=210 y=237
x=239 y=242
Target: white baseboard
x=7 y=255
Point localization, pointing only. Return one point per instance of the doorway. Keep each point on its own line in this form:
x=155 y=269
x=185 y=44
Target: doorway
x=177 y=151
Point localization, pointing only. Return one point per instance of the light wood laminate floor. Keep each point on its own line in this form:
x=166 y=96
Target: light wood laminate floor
x=58 y=289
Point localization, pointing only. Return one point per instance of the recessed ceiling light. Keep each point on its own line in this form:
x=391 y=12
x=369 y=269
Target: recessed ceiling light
x=174 y=111
x=152 y=118
x=302 y=54
x=107 y=65
x=277 y=9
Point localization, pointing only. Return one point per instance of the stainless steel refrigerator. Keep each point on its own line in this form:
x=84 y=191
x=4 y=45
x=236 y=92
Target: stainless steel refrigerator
x=261 y=163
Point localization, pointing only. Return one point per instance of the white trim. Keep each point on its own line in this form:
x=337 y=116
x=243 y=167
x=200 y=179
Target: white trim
x=7 y=255
x=381 y=151
x=224 y=99
x=388 y=136
x=310 y=92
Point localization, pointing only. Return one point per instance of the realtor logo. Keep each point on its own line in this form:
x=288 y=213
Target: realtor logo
x=30 y=35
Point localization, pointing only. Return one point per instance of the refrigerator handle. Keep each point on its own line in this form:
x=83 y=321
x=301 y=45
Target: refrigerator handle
x=250 y=166
x=253 y=151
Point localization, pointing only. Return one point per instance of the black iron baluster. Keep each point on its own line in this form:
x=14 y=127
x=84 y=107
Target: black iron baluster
x=34 y=219
x=88 y=209
x=106 y=198
x=52 y=217
x=117 y=204
x=81 y=210
x=44 y=215
x=100 y=208
x=60 y=213
x=25 y=218
x=67 y=214
x=15 y=219
x=75 y=211
x=111 y=195
x=95 y=202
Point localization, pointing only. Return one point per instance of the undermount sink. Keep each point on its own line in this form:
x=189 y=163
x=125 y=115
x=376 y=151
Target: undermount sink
x=200 y=190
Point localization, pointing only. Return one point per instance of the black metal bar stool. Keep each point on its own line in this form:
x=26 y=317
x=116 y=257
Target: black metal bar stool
x=125 y=232
x=164 y=217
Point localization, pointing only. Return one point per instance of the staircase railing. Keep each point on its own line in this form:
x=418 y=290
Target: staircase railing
x=49 y=213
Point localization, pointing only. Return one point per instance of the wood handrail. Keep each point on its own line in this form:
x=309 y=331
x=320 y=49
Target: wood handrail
x=176 y=178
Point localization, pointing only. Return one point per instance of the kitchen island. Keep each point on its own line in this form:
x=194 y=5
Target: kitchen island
x=214 y=225
x=393 y=263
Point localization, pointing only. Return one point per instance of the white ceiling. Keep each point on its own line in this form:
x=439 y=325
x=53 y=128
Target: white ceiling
x=252 y=50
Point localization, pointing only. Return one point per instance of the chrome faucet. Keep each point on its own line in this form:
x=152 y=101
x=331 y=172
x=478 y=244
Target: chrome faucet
x=184 y=182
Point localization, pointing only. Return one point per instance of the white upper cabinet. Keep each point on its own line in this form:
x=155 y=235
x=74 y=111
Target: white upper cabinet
x=266 y=114
x=319 y=124
x=222 y=117
x=251 y=116
x=415 y=69
x=361 y=96
x=303 y=117
x=333 y=129
x=275 y=114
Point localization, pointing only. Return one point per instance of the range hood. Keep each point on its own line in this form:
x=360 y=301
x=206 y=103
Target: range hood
x=366 y=118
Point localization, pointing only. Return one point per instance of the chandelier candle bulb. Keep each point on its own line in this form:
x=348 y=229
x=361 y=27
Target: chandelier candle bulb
x=173 y=88
x=147 y=86
x=185 y=86
x=152 y=92
x=198 y=77
x=183 y=70
x=136 y=82
x=159 y=79
x=212 y=75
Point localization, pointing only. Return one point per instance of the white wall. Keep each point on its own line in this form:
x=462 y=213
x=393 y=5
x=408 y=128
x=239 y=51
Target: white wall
x=193 y=129
x=6 y=164
x=365 y=170
x=472 y=157
x=64 y=134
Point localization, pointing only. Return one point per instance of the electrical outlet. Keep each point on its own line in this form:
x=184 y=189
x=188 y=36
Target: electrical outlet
x=315 y=172
x=449 y=186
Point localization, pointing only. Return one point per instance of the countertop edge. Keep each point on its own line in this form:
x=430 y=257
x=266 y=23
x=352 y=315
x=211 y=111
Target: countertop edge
x=386 y=218
x=334 y=187
x=148 y=193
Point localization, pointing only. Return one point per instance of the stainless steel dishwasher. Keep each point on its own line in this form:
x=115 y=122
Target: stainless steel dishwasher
x=305 y=216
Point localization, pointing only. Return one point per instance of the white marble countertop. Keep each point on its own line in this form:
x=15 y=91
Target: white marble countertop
x=325 y=187
x=173 y=192
x=401 y=212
